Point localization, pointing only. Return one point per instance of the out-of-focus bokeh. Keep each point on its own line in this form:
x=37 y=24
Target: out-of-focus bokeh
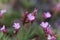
x=21 y=19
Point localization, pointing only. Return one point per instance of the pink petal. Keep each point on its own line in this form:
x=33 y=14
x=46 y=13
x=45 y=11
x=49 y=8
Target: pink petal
x=16 y=25
x=47 y=15
x=49 y=37
x=44 y=24
x=3 y=28
x=31 y=17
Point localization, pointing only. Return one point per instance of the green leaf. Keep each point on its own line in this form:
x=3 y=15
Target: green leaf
x=5 y=37
x=41 y=33
x=20 y=34
x=28 y=3
x=1 y=34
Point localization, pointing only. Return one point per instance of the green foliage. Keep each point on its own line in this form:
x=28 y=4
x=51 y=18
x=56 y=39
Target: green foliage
x=26 y=34
x=28 y=3
x=9 y=18
x=4 y=1
x=1 y=34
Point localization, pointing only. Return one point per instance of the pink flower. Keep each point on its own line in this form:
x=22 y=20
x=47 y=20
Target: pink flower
x=44 y=24
x=58 y=6
x=3 y=11
x=30 y=17
x=3 y=28
x=53 y=38
x=48 y=31
x=49 y=37
x=16 y=25
x=47 y=15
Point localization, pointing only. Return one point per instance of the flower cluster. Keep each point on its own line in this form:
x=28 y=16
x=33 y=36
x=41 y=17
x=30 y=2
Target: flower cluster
x=29 y=17
x=47 y=29
x=16 y=26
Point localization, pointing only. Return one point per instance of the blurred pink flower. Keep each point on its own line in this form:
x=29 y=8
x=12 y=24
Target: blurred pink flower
x=49 y=37
x=44 y=24
x=3 y=11
x=16 y=25
x=53 y=38
x=49 y=31
x=47 y=15
x=3 y=29
x=30 y=17
x=58 y=6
